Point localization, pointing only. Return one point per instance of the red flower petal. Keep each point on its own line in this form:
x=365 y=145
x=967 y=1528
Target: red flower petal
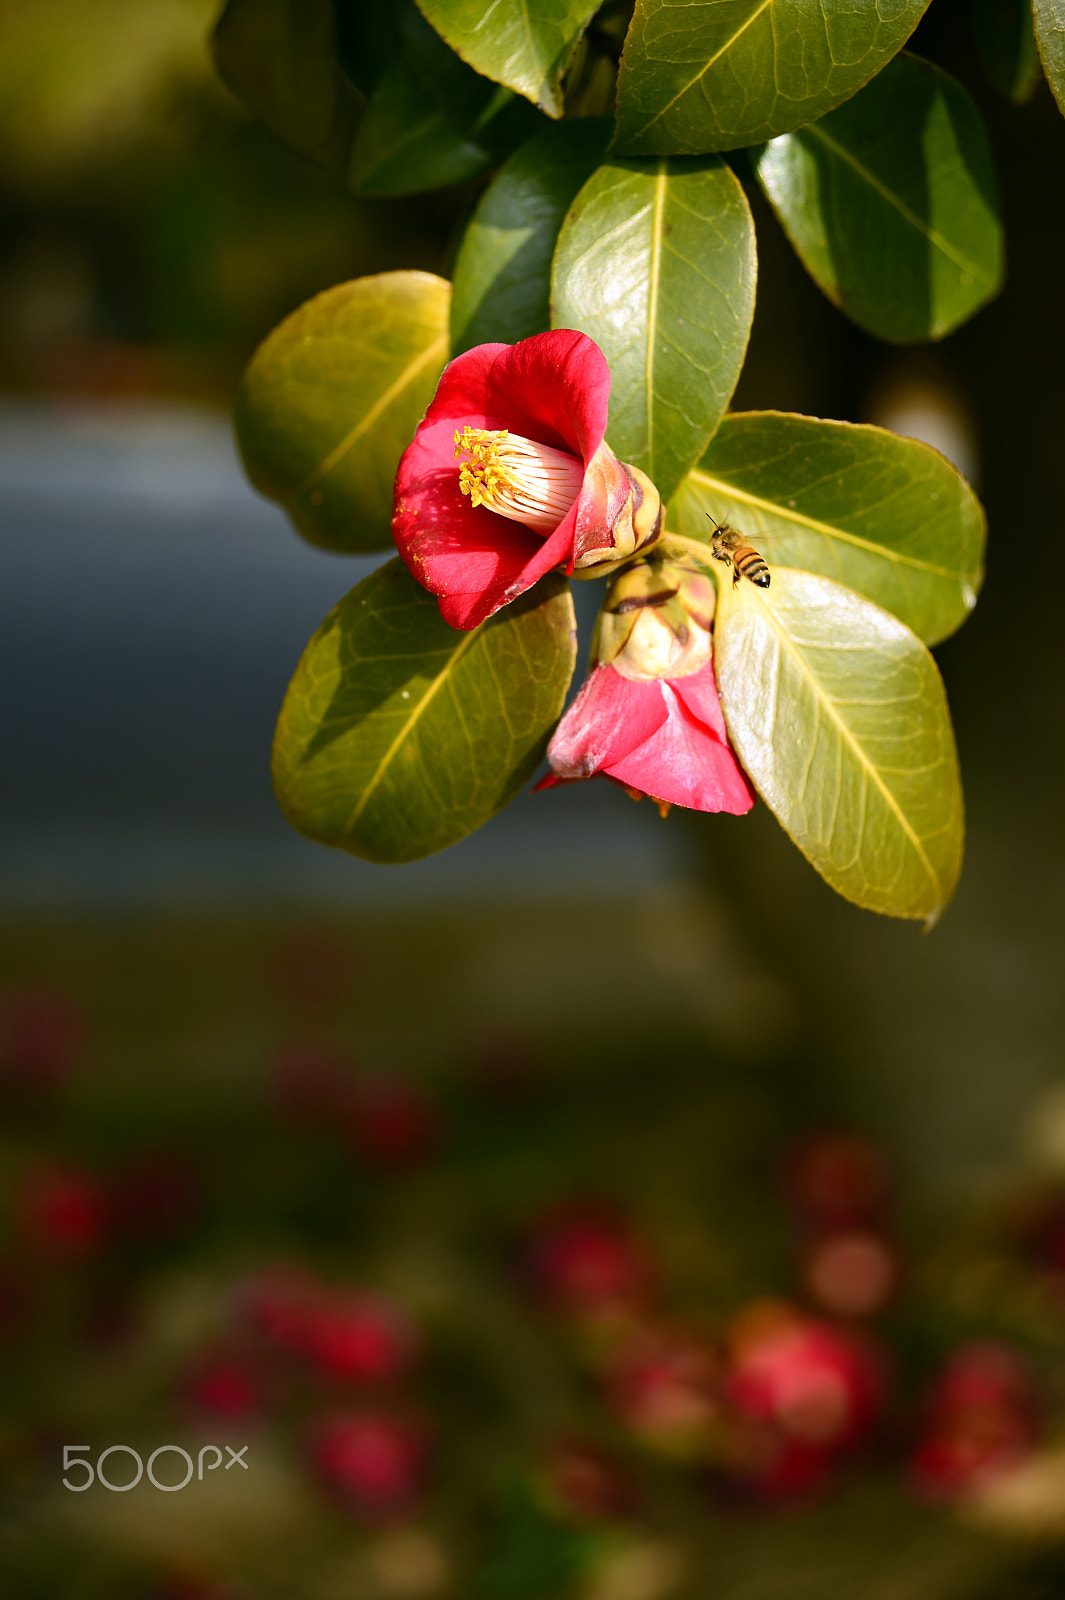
x=463 y=387
x=555 y=388
x=467 y=555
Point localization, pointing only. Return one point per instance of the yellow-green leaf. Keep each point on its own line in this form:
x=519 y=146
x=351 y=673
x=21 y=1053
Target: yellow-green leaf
x=524 y=45
x=838 y=714
x=332 y=398
x=721 y=74
x=400 y=735
x=656 y=262
x=887 y=516
x=1049 y=19
x=892 y=205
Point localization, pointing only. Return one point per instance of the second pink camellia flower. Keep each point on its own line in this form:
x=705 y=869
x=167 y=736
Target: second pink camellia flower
x=649 y=715
x=509 y=476
x=665 y=738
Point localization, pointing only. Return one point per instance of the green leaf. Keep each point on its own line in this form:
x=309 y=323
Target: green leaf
x=501 y=285
x=332 y=398
x=656 y=262
x=892 y=205
x=1049 y=19
x=525 y=46
x=887 y=516
x=1006 y=43
x=406 y=144
x=431 y=120
x=839 y=717
x=720 y=74
x=400 y=735
x=277 y=56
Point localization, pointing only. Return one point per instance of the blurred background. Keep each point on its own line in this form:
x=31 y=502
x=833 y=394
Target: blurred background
x=600 y=1209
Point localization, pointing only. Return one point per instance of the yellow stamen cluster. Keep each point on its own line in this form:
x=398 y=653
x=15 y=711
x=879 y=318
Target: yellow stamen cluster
x=520 y=479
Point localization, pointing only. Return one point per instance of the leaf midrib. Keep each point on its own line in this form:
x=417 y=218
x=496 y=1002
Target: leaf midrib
x=389 y=756
x=826 y=529
x=431 y=353
x=652 y=308
x=740 y=31
x=934 y=237
x=823 y=699
x=529 y=50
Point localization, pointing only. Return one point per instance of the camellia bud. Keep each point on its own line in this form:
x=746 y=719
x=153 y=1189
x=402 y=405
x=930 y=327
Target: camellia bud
x=629 y=516
x=655 y=622
x=648 y=714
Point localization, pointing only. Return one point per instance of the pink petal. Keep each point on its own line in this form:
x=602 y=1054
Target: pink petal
x=699 y=693
x=610 y=717
x=684 y=763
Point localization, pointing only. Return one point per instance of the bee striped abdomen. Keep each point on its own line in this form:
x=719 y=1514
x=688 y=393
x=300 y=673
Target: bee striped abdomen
x=745 y=560
x=749 y=564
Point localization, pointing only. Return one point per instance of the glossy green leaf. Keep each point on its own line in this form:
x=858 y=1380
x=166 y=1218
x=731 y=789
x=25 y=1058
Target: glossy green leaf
x=887 y=516
x=656 y=262
x=277 y=56
x=1049 y=19
x=1006 y=43
x=400 y=735
x=839 y=717
x=431 y=119
x=892 y=205
x=501 y=287
x=406 y=143
x=331 y=400
x=524 y=46
x=721 y=74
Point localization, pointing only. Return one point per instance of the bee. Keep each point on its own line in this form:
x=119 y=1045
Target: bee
x=731 y=547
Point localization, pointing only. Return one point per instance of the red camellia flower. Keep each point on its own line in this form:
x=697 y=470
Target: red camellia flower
x=812 y=1381
x=800 y=1394
x=509 y=476
x=372 y=1461
x=63 y=1211
x=391 y=1121
x=983 y=1421
x=224 y=1386
x=275 y=1305
x=665 y=738
x=360 y=1338
x=586 y=1260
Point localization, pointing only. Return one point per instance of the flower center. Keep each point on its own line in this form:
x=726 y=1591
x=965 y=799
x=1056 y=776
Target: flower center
x=523 y=480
